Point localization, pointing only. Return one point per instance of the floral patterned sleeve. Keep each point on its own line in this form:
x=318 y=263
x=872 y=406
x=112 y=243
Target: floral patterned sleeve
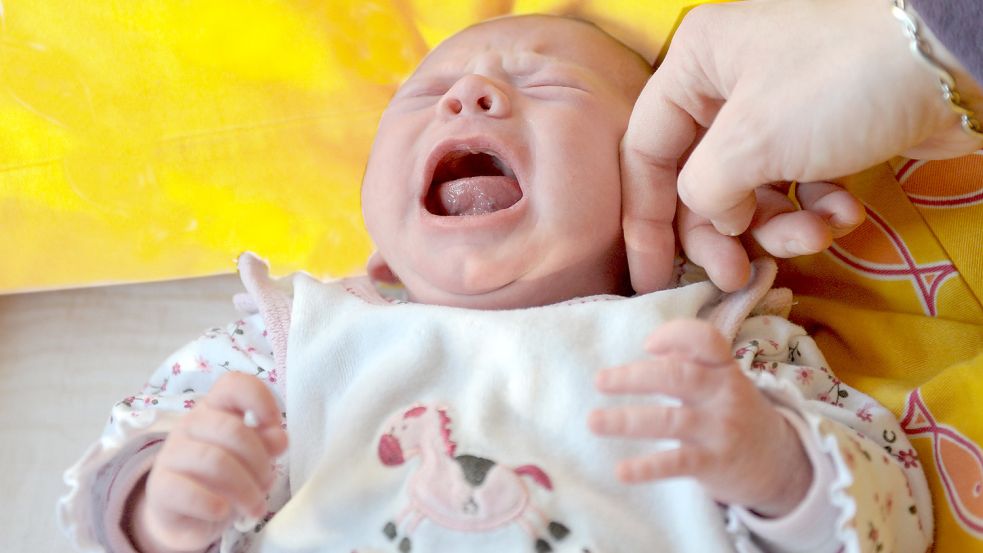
x=873 y=488
x=100 y=482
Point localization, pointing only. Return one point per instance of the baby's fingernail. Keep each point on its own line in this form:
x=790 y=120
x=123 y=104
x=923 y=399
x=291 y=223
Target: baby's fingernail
x=601 y=378
x=595 y=420
x=250 y=419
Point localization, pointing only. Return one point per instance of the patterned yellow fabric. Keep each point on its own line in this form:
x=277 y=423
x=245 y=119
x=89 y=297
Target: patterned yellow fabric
x=161 y=138
x=896 y=309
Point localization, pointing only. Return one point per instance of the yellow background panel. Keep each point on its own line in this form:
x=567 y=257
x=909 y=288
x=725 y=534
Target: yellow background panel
x=160 y=138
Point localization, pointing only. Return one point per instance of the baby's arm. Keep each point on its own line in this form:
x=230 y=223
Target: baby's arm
x=93 y=510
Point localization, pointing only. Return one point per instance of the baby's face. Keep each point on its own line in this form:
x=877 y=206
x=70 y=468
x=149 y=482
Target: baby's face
x=494 y=178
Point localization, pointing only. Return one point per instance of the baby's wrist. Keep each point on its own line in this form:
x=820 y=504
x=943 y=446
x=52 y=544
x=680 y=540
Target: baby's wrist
x=791 y=479
x=137 y=526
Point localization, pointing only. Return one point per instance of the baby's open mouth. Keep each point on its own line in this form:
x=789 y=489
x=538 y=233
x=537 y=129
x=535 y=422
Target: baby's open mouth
x=469 y=182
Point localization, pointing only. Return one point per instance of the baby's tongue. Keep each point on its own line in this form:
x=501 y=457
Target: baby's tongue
x=477 y=195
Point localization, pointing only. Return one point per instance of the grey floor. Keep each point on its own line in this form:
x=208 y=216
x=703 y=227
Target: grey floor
x=65 y=358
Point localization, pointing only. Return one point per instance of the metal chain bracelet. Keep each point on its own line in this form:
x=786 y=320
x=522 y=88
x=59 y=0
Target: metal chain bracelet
x=923 y=50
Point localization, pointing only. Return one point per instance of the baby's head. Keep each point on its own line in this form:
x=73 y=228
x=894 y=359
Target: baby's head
x=494 y=179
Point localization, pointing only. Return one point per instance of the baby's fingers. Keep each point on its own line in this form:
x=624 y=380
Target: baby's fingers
x=668 y=375
x=228 y=432
x=649 y=421
x=221 y=472
x=181 y=497
x=685 y=460
x=238 y=393
x=697 y=340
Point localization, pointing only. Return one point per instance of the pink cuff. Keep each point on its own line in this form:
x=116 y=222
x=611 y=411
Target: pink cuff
x=811 y=526
x=119 y=491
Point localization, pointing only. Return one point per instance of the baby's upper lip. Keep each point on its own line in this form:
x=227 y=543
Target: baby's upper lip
x=484 y=143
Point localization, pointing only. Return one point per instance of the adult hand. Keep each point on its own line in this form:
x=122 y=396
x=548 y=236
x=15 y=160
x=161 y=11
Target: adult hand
x=762 y=92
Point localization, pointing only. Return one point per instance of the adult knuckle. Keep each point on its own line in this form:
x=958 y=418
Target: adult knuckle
x=697 y=24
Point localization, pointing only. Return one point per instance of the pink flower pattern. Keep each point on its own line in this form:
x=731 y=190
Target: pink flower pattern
x=908 y=458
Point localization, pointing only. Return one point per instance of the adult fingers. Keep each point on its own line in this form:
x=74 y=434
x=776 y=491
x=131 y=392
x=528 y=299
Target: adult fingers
x=724 y=169
x=677 y=103
x=722 y=257
x=840 y=209
x=827 y=211
x=648 y=174
x=783 y=230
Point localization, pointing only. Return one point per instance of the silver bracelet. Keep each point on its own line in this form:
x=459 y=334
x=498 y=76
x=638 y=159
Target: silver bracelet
x=923 y=50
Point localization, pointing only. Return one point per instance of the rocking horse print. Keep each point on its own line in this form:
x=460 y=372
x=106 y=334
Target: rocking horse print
x=460 y=492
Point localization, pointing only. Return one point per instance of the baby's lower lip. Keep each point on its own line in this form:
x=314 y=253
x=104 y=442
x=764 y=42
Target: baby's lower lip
x=473 y=196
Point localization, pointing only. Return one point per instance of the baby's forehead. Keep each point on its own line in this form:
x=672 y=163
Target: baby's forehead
x=535 y=37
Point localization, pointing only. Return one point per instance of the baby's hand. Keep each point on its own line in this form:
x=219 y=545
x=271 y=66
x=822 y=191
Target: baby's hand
x=211 y=469
x=731 y=437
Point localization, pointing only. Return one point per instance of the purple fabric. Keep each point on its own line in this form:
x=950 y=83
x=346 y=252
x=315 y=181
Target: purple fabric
x=959 y=25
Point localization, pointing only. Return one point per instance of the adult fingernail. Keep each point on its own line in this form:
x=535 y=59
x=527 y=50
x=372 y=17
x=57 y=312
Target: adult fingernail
x=726 y=229
x=795 y=247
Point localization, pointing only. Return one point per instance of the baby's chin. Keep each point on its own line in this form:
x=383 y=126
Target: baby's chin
x=522 y=293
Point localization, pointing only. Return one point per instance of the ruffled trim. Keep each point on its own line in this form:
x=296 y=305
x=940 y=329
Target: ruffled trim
x=101 y=481
x=784 y=392
x=807 y=526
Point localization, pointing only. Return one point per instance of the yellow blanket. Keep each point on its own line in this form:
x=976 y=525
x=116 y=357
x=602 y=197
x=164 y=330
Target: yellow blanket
x=896 y=308
x=161 y=138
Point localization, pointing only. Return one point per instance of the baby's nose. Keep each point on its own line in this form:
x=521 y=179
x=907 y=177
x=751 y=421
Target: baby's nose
x=475 y=95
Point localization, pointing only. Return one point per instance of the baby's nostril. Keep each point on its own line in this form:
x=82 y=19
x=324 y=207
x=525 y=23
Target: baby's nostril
x=484 y=103
x=455 y=106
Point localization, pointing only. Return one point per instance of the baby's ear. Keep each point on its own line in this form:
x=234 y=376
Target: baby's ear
x=379 y=270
